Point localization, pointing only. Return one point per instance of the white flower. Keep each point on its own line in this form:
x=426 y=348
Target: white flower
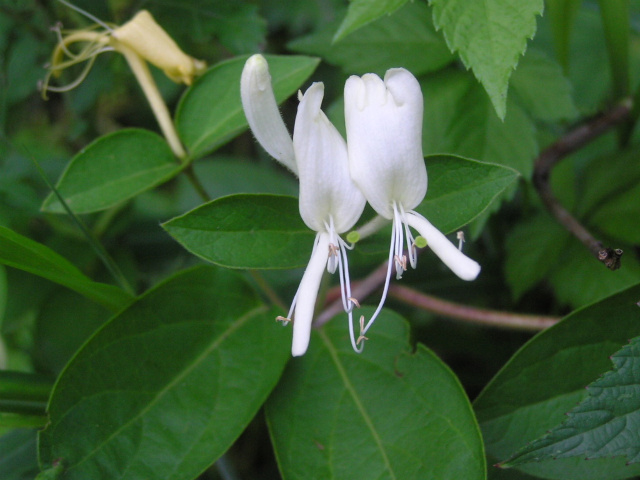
x=384 y=138
x=330 y=203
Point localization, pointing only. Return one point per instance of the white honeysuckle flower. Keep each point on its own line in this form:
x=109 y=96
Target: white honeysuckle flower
x=384 y=140
x=330 y=203
x=261 y=110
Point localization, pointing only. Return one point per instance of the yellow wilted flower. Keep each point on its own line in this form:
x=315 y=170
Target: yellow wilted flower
x=141 y=36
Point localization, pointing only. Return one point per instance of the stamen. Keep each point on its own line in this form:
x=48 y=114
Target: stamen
x=361 y=337
x=87 y=14
x=401 y=265
x=460 y=236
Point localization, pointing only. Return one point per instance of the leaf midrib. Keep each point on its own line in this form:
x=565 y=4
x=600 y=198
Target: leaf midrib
x=235 y=326
x=356 y=400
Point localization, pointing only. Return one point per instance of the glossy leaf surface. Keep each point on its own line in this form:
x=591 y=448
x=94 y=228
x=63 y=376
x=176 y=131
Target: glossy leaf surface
x=388 y=413
x=112 y=169
x=210 y=112
x=165 y=387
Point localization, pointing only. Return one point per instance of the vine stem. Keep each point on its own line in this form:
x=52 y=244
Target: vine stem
x=466 y=313
x=569 y=143
x=481 y=316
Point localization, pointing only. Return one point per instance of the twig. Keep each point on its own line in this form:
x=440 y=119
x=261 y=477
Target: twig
x=566 y=145
x=493 y=318
x=359 y=290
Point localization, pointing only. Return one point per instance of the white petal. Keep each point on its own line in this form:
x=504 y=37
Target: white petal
x=307 y=294
x=384 y=139
x=326 y=188
x=262 y=112
x=458 y=262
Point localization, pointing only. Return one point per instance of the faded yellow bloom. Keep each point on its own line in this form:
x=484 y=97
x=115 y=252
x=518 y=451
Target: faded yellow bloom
x=141 y=36
x=149 y=40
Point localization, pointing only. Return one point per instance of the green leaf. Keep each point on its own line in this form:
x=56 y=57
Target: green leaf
x=459 y=120
x=528 y=262
x=64 y=322
x=408 y=36
x=112 y=169
x=362 y=12
x=617 y=29
x=489 y=36
x=543 y=90
x=618 y=217
x=389 y=412
x=562 y=16
x=21 y=252
x=166 y=386
x=578 y=278
x=547 y=377
x=605 y=424
x=461 y=189
x=210 y=112
x=18 y=460
x=246 y=231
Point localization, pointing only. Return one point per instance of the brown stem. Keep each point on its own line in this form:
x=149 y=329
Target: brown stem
x=571 y=142
x=361 y=290
x=493 y=318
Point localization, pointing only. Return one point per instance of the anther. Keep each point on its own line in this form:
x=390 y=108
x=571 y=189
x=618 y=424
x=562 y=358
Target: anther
x=355 y=302
x=333 y=250
x=460 y=236
x=402 y=262
x=282 y=319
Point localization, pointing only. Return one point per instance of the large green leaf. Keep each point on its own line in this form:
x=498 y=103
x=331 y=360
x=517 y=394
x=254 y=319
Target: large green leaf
x=210 y=112
x=246 y=231
x=165 y=387
x=21 y=252
x=542 y=88
x=546 y=379
x=490 y=36
x=405 y=39
x=112 y=169
x=605 y=424
x=361 y=12
x=459 y=119
x=388 y=413
x=18 y=460
x=461 y=189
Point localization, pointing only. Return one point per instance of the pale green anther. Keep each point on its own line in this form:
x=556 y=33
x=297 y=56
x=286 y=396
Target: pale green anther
x=420 y=241
x=353 y=237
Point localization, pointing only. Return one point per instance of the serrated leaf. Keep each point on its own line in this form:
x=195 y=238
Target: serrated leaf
x=112 y=169
x=210 y=112
x=605 y=424
x=461 y=189
x=362 y=12
x=543 y=90
x=405 y=39
x=166 y=386
x=246 y=231
x=489 y=36
x=388 y=413
x=459 y=120
x=21 y=252
x=547 y=377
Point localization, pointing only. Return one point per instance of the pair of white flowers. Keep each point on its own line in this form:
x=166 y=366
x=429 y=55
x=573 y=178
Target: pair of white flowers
x=381 y=163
